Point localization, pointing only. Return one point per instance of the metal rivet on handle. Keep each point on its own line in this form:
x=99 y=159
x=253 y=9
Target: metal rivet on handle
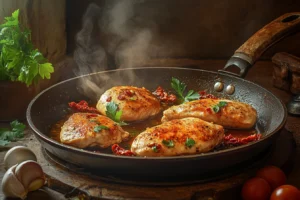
x=219 y=86
x=230 y=89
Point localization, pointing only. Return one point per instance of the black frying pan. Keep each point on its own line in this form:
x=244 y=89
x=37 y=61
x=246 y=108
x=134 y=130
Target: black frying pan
x=49 y=106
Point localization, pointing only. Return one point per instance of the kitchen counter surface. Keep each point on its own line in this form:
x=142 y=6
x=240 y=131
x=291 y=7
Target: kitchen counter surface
x=261 y=73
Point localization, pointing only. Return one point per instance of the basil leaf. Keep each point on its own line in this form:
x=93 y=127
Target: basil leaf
x=168 y=143
x=16 y=132
x=190 y=142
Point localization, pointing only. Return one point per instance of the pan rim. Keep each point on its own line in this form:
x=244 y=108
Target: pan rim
x=50 y=141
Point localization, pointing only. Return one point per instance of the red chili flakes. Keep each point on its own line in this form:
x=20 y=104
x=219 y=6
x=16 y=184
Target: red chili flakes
x=204 y=95
x=209 y=110
x=117 y=150
x=155 y=147
x=126 y=93
x=82 y=106
x=231 y=140
x=163 y=96
x=108 y=99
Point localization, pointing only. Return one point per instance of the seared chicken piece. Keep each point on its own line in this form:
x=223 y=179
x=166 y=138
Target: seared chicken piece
x=178 y=137
x=135 y=103
x=231 y=114
x=87 y=130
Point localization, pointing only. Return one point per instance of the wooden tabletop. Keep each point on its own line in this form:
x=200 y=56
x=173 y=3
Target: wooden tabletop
x=261 y=73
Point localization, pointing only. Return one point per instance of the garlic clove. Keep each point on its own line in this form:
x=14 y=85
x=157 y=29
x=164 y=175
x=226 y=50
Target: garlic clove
x=30 y=174
x=17 y=155
x=11 y=186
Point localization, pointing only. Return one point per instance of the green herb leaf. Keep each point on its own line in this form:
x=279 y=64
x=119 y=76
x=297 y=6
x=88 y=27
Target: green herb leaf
x=168 y=143
x=19 y=61
x=180 y=87
x=16 y=132
x=155 y=149
x=113 y=113
x=216 y=108
x=190 y=142
x=100 y=127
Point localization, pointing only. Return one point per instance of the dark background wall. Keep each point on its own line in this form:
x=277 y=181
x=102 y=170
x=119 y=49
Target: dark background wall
x=202 y=29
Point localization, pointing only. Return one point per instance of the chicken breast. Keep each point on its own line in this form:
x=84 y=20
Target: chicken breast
x=135 y=103
x=178 y=137
x=88 y=130
x=231 y=114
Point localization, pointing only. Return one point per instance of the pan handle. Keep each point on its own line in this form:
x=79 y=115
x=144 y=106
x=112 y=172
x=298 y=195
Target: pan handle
x=245 y=56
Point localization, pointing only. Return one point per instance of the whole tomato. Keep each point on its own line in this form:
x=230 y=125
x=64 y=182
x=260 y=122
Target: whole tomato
x=273 y=175
x=286 y=192
x=256 y=189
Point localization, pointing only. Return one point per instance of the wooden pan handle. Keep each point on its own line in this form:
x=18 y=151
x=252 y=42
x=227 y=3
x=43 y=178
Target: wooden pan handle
x=246 y=55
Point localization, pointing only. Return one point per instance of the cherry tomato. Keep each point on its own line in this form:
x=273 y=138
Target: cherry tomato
x=273 y=175
x=256 y=188
x=286 y=192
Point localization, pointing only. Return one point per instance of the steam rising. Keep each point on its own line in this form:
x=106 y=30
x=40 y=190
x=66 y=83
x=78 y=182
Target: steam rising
x=110 y=38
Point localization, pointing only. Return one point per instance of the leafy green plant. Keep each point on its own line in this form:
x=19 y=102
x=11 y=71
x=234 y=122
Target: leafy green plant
x=10 y=135
x=19 y=60
x=180 y=87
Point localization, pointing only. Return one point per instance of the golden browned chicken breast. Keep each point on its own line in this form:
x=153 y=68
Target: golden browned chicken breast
x=177 y=137
x=88 y=130
x=135 y=103
x=230 y=114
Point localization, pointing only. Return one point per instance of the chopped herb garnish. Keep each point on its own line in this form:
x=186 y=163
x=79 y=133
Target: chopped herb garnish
x=179 y=87
x=113 y=113
x=133 y=98
x=94 y=120
x=190 y=142
x=216 y=108
x=99 y=128
x=7 y=135
x=168 y=143
x=155 y=149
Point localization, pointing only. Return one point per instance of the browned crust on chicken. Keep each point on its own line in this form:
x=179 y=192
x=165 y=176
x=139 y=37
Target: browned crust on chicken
x=136 y=103
x=88 y=130
x=234 y=115
x=153 y=141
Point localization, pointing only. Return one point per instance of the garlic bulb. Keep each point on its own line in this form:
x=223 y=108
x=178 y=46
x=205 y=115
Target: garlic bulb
x=11 y=186
x=23 y=178
x=17 y=155
x=31 y=175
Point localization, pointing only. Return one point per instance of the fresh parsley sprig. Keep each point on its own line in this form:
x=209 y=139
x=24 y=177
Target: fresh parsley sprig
x=10 y=135
x=19 y=61
x=113 y=113
x=180 y=87
x=216 y=108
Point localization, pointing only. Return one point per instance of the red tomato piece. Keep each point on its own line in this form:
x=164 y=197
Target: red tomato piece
x=286 y=192
x=273 y=175
x=256 y=188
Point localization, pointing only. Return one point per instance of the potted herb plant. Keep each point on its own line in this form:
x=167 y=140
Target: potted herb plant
x=21 y=67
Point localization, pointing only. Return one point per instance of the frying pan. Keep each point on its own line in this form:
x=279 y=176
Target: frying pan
x=49 y=106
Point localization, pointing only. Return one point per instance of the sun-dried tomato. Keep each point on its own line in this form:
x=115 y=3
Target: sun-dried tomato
x=116 y=149
x=163 y=96
x=231 y=140
x=204 y=95
x=82 y=106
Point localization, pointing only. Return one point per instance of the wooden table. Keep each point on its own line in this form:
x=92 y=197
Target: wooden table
x=261 y=74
